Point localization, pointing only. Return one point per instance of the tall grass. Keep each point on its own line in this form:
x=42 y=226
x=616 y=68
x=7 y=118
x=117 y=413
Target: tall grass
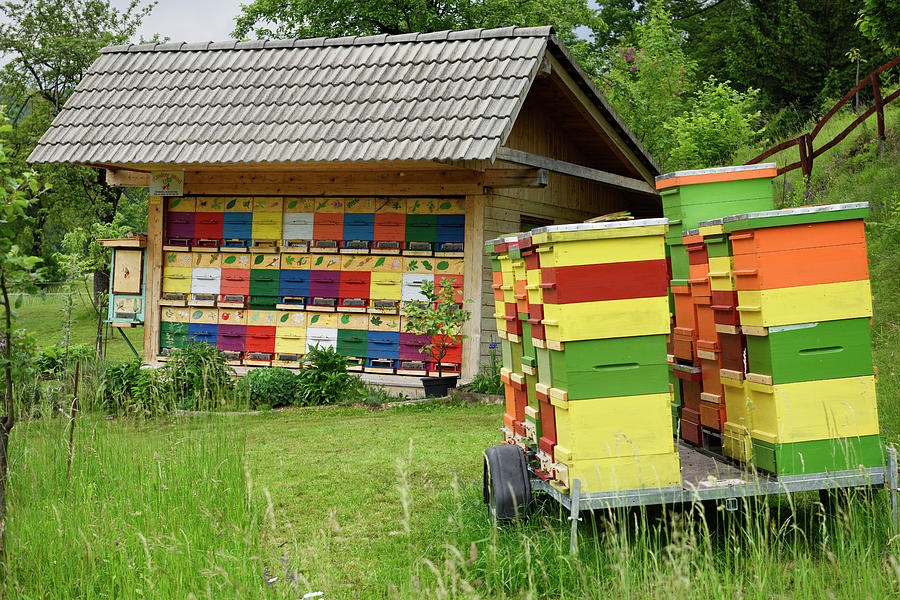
x=146 y=512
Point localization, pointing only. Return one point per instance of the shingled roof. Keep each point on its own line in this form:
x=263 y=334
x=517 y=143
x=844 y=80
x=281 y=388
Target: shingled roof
x=435 y=96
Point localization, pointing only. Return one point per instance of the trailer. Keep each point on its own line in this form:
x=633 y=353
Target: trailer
x=510 y=484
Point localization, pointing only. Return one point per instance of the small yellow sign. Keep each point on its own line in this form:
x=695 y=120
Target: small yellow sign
x=166 y=183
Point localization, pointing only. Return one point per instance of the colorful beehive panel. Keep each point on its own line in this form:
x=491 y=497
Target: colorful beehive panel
x=360 y=256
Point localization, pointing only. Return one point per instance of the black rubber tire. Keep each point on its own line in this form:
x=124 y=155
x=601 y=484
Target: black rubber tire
x=507 y=487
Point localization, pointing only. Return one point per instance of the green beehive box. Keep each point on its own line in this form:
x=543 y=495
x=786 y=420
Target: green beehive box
x=544 y=371
x=813 y=351
x=716 y=194
x=681 y=268
x=529 y=356
x=611 y=367
x=422 y=228
x=352 y=342
x=172 y=334
x=819 y=456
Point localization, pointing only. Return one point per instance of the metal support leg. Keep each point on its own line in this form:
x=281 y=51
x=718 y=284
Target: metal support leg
x=573 y=516
x=891 y=481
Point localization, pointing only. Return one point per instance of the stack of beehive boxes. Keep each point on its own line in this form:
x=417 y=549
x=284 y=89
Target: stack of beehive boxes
x=808 y=399
x=584 y=358
x=701 y=286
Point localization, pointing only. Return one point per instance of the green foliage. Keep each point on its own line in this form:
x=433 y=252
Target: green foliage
x=487 y=379
x=268 y=387
x=130 y=389
x=711 y=131
x=326 y=379
x=880 y=22
x=198 y=377
x=56 y=360
x=335 y=18
x=438 y=315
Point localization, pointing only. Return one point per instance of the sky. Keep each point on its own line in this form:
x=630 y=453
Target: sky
x=189 y=20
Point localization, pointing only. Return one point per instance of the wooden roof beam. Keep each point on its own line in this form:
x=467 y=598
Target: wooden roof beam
x=516 y=178
x=573 y=170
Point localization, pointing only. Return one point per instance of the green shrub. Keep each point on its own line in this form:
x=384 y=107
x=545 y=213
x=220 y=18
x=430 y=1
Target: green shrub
x=127 y=388
x=326 y=380
x=54 y=360
x=487 y=380
x=198 y=378
x=267 y=388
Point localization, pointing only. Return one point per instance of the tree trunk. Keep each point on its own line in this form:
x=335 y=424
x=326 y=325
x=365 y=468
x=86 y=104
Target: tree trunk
x=6 y=425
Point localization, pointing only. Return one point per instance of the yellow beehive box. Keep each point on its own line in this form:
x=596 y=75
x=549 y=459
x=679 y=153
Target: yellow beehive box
x=576 y=245
x=353 y=321
x=181 y=204
x=606 y=319
x=291 y=318
x=620 y=474
x=386 y=286
x=176 y=280
x=737 y=402
x=206 y=260
x=613 y=427
x=290 y=340
x=737 y=442
x=805 y=304
x=721 y=274
x=813 y=410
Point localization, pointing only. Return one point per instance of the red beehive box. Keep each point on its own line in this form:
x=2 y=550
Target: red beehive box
x=607 y=281
x=260 y=339
x=390 y=227
x=208 y=226
x=328 y=226
x=235 y=282
x=690 y=426
x=457 y=283
x=724 y=305
x=354 y=284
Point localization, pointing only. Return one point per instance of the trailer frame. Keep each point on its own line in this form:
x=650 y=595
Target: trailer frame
x=709 y=477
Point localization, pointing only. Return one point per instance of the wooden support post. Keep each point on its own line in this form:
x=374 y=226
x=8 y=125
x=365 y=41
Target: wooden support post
x=472 y=285
x=879 y=108
x=153 y=289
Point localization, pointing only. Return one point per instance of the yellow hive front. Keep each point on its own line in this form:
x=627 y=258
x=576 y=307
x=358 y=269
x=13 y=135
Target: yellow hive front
x=620 y=474
x=606 y=319
x=613 y=427
x=805 y=304
x=813 y=410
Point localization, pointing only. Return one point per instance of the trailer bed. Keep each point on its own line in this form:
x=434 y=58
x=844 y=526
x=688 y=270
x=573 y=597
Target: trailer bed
x=705 y=476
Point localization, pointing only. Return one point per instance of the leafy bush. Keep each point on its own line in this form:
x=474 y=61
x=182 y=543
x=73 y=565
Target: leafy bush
x=198 y=378
x=718 y=123
x=54 y=360
x=267 y=388
x=438 y=317
x=130 y=389
x=326 y=379
x=487 y=380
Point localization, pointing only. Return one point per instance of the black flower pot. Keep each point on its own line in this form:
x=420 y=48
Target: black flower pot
x=438 y=386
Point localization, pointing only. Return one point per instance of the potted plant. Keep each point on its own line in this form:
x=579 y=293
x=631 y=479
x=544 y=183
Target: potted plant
x=441 y=319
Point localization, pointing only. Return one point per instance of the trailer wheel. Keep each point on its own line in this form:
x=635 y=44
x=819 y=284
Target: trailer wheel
x=507 y=487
